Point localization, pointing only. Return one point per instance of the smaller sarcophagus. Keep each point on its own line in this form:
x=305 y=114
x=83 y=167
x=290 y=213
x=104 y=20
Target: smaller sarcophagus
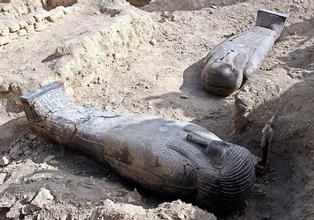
x=233 y=61
x=178 y=158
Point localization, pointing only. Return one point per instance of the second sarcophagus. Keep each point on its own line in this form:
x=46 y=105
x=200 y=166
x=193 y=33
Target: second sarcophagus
x=233 y=61
x=168 y=156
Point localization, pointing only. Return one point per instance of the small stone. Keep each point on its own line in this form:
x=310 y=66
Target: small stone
x=131 y=200
x=6 y=7
x=109 y=202
x=30 y=29
x=27 y=198
x=14 y=27
x=55 y=14
x=244 y=89
x=40 y=16
x=30 y=20
x=67 y=10
x=14 y=149
x=179 y=201
x=14 y=211
x=4 y=161
x=54 y=162
x=165 y=14
x=4 y=40
x=49 y=158
x=65 y=217
x=43 y=198
x=153 y=41
x=44 y=166
x=62 y=51
x=184 y=97
x=23 y=24
x=2 y=177
x=181 y=216
x=28 y=209
x=39 y=26
x=32 y=136
x=22 y=32
x=172 y=18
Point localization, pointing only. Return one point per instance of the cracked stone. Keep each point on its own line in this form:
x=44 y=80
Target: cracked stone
x=43 y=198
x=4 y=161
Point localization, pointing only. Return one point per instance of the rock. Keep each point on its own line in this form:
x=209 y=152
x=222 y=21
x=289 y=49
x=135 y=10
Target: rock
x=14 y=27
x=298 y=1
x=172 y=18
x=28 y=209
x=15 y=151
x=108 y=202
x=54 y=162
x=32 y=136
x=30 y=20
x=2 y=177
x=153 y=41
x=65 y=217
x=23 y=24
x=181 y=216
x=40 y=16
x=67 y=10
x=14 y=212
x=6 y=7
x=130 y=200
x=165 y=14
x=49 y=158
x=4 y=40
x=184 y=97
x=22 y=32
x=43 y=198
x=44 y=166
x=4 y=161
x=40 y=26
x=27 y=198
x=56 y=14
x=62 y=51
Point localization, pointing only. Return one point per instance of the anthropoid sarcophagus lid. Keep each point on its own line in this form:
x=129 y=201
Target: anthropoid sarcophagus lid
x=178 y=158
x=233 y=61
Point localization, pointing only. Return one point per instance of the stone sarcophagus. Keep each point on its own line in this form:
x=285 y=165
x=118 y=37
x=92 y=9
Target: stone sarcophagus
x=173 y=157
x=233 y=61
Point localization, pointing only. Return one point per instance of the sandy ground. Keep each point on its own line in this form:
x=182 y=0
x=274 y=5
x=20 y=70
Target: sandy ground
x=148 y=61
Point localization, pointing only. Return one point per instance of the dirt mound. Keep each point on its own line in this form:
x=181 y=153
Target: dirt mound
x=174 y=210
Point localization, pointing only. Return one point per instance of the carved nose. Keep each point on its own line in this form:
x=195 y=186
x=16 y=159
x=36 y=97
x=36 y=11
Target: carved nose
x=220 y=78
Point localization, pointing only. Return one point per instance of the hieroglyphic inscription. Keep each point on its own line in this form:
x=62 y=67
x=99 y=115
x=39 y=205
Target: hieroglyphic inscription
x=51 y=101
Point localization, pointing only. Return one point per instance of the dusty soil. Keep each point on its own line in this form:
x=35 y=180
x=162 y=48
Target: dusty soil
x=148 y=60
